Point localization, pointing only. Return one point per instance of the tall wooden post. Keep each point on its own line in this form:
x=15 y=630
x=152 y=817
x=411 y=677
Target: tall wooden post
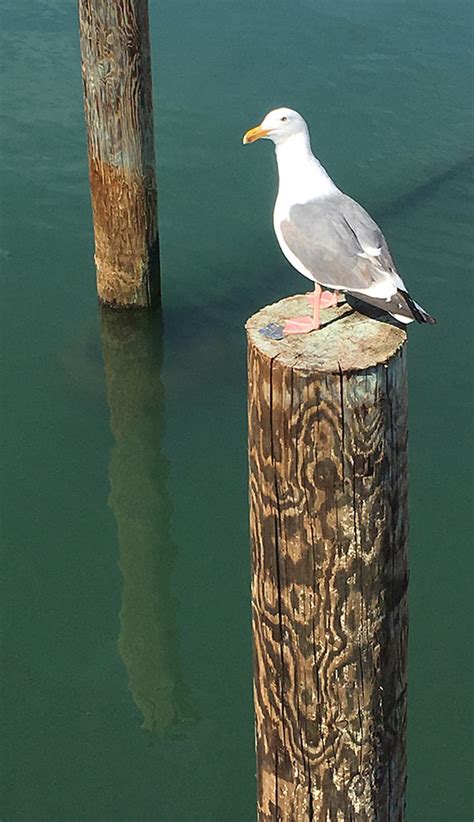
x=328 y=496
x=116 y=73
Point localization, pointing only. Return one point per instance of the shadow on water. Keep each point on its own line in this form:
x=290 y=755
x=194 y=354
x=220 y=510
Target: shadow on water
x=148 y=643
x=425 y=191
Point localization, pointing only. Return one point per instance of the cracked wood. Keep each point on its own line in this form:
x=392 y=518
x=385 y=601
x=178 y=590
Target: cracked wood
x=116 y=74
x=328 y=515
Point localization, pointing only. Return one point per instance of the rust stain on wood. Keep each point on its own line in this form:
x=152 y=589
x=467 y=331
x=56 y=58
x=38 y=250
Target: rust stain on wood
x=126 y=248
x=328 y=515
x=116 y=72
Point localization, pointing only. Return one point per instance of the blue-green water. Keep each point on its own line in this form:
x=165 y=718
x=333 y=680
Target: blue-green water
x=125 y=561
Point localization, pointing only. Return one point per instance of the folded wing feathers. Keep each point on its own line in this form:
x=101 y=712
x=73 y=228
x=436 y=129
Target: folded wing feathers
x=338 y=244
x=341 y=246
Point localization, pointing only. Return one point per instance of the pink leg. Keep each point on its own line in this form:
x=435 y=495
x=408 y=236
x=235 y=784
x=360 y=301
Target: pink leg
x=328 y=299
x=317 y=305
x=302 y=325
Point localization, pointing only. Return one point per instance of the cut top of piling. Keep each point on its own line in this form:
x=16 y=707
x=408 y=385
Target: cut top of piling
x=346 y=341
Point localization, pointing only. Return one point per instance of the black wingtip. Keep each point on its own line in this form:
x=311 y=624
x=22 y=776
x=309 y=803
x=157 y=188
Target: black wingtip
x=419 y=313
x=422 y=316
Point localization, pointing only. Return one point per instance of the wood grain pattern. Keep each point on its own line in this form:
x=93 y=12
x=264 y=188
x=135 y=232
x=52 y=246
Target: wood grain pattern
x=328 y=514
x=116 y=73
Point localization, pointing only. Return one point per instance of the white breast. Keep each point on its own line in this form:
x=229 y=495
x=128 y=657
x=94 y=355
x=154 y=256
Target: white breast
x=301 y=179
x=280 y=214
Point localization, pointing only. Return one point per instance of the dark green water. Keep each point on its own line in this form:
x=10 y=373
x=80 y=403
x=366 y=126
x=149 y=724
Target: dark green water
x=125 y=607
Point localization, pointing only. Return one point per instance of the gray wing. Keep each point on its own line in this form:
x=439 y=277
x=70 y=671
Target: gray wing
x=332 y=237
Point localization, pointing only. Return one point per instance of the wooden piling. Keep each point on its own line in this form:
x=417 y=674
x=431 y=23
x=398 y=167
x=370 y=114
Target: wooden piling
x=328 y=497
x=116 y=73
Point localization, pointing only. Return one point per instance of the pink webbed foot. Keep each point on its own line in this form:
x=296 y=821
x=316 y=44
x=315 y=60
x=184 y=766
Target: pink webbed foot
x=300 y=325
x=328 y=299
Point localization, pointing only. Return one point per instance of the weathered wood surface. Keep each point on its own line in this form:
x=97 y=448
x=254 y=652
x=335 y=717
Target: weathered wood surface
x=116 y=73
x=328 y=497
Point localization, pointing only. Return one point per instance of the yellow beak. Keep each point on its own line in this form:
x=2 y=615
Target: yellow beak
x=254 y=134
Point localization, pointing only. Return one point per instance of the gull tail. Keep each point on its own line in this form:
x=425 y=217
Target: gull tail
x=419 y=313
x=401 y=306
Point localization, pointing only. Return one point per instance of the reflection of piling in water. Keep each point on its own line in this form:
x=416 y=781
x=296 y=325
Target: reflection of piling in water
x=132 y=348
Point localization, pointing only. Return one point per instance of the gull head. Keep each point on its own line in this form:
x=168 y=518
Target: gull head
x=278 y=125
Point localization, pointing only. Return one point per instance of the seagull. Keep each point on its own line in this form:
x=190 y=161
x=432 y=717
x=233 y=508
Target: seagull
x=327 y=236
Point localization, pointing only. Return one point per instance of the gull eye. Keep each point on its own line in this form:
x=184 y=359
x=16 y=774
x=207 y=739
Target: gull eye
x=284 y=119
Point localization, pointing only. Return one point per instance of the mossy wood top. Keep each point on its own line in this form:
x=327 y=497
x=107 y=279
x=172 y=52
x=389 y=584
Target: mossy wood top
x=346 y=341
